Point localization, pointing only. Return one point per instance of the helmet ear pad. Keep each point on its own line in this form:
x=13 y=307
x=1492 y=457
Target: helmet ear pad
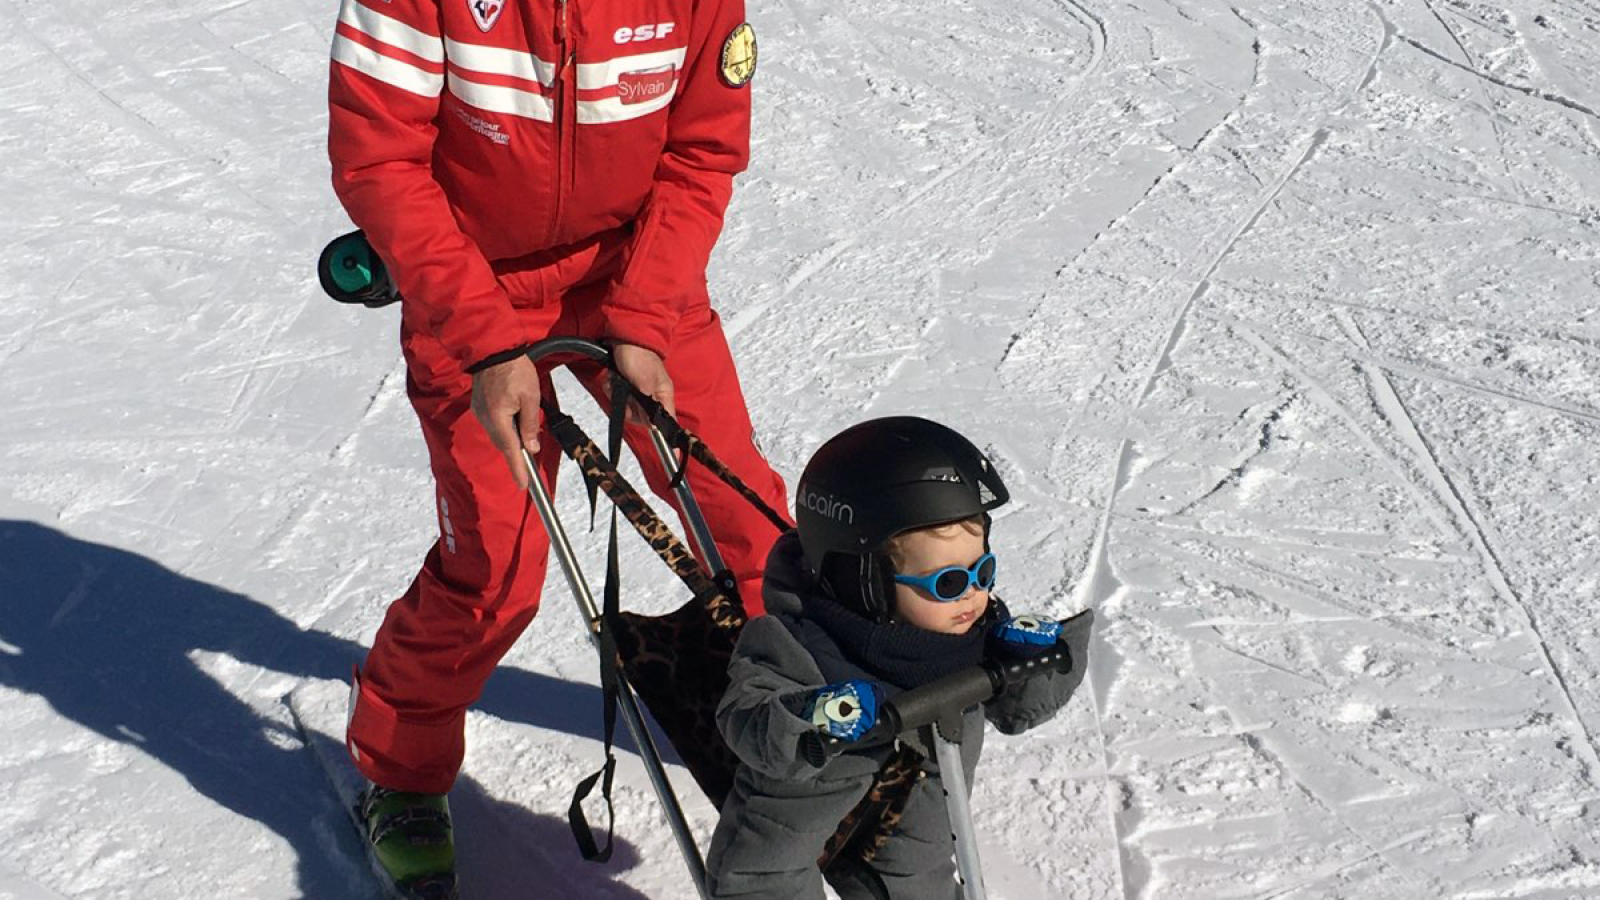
x=877 y=580
x=863 y=582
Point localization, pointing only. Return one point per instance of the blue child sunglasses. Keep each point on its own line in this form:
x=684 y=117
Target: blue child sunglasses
x=951 y=583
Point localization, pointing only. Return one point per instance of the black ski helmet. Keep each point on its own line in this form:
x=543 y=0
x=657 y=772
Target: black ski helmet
x=875 y=480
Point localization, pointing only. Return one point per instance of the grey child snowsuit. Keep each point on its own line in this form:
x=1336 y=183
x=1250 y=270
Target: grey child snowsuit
x=781 y=809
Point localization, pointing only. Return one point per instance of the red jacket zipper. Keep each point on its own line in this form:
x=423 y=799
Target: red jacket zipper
x=564 y=119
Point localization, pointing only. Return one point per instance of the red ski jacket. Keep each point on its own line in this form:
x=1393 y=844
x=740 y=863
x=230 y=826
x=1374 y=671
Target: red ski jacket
x=573 y=136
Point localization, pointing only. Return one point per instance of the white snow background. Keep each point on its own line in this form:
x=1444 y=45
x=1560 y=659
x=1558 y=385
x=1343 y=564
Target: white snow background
x=1282 y=320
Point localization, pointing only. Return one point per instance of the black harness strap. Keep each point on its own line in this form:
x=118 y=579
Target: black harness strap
x=610 y=678
x=692 y=447
x=602 y=475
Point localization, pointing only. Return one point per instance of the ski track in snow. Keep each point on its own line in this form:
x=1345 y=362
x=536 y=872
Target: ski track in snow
x=1281 y=322
x=966 y=166
x=1446 y=488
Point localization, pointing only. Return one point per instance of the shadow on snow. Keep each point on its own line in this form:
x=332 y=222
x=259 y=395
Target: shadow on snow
x=106 y=637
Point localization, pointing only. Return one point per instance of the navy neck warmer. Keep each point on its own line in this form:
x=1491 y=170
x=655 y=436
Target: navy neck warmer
x=902 y=655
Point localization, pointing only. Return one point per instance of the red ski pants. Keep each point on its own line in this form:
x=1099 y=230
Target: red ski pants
x=479 y=586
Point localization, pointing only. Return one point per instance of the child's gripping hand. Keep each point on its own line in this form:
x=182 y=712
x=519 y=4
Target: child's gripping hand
x=1024 y=636
x=1027 y=644
x=845 y=711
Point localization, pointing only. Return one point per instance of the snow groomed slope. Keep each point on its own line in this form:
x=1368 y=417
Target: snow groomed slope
x=1281 y=319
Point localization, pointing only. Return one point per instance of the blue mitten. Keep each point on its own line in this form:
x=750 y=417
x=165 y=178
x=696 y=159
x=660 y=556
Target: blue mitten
x=846 y=710
x=1024 y=636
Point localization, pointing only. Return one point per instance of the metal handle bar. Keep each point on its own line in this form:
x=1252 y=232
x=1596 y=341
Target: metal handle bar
x=573 y=345
x=699 y=532
x=933 y=701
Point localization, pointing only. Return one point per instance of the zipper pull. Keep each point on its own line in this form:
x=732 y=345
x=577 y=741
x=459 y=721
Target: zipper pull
x=561 y=22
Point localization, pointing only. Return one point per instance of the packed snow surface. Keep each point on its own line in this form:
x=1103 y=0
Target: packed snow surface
x=1281 y=319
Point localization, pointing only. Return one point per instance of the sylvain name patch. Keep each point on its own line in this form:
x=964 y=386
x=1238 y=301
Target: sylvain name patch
x=646 y=84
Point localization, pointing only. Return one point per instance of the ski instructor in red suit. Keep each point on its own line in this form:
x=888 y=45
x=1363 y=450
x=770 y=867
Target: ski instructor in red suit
x=529 y=168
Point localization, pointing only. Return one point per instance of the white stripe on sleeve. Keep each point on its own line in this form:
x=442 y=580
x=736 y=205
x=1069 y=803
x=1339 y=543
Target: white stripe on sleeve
x=391 y=31
x=387 y=69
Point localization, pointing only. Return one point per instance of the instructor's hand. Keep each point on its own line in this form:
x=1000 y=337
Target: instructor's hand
x=648 y=375
x=505 y=398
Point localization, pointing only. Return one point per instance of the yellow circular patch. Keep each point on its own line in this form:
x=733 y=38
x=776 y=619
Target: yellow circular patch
x=739 y=56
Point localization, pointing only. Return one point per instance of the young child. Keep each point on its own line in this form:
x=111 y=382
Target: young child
x=884 y=586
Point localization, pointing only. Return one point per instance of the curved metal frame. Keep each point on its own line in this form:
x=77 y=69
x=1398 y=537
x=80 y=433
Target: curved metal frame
x=632 y=714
